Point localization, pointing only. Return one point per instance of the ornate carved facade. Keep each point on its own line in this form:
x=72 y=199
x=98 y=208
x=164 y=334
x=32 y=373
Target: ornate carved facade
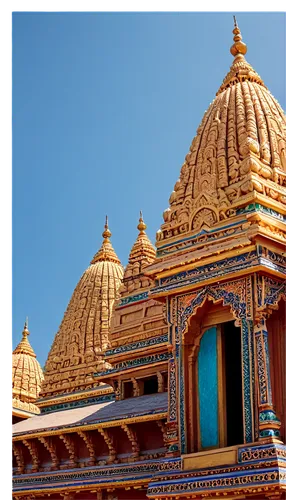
x=167 y=379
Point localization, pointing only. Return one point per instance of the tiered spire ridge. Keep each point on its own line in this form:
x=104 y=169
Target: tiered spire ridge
x=106 y=251
x=24 y=346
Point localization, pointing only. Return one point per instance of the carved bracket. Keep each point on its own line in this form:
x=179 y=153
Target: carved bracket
x=87 y=437
x=51 y=447
x=34 y=452
x=108 y=438
x=132 y=436
x=268 y=293
x=70 y=446
x=18 y=453
x=163 y=429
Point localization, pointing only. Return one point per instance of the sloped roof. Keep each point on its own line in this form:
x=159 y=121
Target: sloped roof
x=102 y=412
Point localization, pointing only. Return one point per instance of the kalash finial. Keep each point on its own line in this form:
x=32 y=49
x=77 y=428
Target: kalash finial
x=141 y=226
x=106 y=233
x=25 y=332
x=238 y=47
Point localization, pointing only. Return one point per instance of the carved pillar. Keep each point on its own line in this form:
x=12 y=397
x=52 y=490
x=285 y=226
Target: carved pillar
x=172 y=436
x=247 y=352
x=269 y=424
x=136 y=388
x=160 y=379
x=117 y=389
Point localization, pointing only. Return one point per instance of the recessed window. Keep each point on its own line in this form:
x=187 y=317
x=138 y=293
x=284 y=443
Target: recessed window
x=127 y=390
x=150 y=385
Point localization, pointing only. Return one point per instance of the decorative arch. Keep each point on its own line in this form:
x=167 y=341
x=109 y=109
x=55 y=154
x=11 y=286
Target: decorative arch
x=238 y=295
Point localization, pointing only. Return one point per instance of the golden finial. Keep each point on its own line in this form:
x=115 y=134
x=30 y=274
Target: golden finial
x=106 y=233
x=25 y=332
x=141 y=226
x=238 y=47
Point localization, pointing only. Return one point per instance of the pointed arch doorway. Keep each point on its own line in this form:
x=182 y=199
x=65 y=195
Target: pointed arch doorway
x=213 y=379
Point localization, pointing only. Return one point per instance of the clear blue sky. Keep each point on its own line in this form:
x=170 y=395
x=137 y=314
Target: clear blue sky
x=105 y=106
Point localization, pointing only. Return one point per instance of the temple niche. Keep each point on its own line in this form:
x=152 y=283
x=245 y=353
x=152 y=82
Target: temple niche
x=166 y=379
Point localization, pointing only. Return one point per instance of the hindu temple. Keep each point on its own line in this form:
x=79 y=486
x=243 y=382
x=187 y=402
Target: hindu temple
x=167 y=378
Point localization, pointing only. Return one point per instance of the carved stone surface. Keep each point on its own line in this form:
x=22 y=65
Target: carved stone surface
x=141 y=255
x=239 y=150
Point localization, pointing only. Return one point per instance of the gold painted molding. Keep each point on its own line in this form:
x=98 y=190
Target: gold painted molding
x=55 y=400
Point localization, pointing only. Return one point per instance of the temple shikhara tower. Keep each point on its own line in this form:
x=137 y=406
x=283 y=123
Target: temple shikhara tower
x=167 y=379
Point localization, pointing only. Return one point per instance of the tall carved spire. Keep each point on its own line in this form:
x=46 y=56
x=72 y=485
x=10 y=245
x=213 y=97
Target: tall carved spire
x=106 y=251
x=237 y=157
x=83 y=336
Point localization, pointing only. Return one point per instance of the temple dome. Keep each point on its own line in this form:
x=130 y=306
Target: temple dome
x=27 y=375
x=83 y=336
x=237 y=157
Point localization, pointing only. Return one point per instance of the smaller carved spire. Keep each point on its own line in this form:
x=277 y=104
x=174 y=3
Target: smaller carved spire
x=106 y=251
x=24 y=346
x=141 y=226
x=238 y=47
x=142 y=253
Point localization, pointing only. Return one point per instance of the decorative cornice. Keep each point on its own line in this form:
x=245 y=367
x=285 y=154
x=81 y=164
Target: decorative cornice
x=78 y=403
x=137 y=345
x=134 y=363
x=75 y=396
x=220 y=269
x=124 y=301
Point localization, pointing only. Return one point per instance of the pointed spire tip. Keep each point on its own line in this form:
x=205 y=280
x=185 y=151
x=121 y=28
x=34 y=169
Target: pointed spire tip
x=26 y=331
x=106 y=233
x=238 y=48
x=141 y=226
